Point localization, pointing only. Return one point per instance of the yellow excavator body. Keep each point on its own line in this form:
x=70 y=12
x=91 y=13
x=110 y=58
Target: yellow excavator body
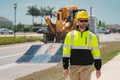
x=65 y=22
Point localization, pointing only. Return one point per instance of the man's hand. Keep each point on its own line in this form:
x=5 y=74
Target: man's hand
x=98 y=74
x=65 y=72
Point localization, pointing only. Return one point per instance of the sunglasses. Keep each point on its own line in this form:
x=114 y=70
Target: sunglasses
x=83 y=21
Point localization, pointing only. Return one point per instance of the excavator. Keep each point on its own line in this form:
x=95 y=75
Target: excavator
x=65 y=22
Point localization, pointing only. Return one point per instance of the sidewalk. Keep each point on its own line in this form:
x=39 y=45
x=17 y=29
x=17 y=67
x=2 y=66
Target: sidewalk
x=110 y=70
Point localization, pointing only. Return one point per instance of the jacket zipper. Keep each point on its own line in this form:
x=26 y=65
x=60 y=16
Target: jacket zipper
x=81 y=34
x=85 y=40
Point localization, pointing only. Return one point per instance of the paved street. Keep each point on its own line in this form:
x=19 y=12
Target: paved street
x=11 y=68
x=109 y=37
x=15 y=70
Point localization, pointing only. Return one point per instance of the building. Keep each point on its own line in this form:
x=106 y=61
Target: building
x=5 y=22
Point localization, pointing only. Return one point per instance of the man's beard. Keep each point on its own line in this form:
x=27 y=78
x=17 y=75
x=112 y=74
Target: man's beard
x=84 y=26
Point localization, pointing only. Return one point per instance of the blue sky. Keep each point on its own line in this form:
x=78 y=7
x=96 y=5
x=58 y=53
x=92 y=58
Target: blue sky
x=105 y=10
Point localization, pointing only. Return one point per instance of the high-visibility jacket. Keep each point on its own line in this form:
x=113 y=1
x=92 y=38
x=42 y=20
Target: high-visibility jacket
x=81 y=48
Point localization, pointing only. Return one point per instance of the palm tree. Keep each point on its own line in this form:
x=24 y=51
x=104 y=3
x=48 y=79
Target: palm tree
x=43 y=12
x=34 y=12
x=46 y=12
x=50 y=12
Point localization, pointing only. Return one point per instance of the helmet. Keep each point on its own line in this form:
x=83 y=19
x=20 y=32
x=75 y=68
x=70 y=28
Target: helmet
x=82 y=15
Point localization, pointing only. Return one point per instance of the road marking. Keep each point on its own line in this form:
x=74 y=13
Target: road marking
x=7 y=66
x=10 y=55
x=13 y=46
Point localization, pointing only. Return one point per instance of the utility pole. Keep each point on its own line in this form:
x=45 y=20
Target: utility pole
x=92 y=22
x=15 y=7
x=91 y=11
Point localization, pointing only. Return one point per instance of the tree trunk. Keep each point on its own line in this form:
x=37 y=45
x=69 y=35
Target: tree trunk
x=32 y=23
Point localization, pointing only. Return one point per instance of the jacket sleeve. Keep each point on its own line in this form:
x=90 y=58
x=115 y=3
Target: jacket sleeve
x=96 y=52
x=66 y=51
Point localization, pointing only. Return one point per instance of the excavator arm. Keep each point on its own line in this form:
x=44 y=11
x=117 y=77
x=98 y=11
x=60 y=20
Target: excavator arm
x=48 y=21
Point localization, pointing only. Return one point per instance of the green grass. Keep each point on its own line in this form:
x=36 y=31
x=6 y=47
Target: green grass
x=108 y=51
x=12 y=40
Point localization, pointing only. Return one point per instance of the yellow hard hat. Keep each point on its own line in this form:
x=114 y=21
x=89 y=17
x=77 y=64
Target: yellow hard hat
x=82 y=15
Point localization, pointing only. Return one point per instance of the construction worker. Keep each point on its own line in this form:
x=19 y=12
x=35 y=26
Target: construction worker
x=81 y=50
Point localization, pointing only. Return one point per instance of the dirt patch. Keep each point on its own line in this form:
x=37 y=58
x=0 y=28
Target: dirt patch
x=53 y=73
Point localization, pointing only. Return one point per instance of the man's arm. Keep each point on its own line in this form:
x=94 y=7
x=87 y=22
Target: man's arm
x=97 y=55
x=66 y=54
x=65 y=61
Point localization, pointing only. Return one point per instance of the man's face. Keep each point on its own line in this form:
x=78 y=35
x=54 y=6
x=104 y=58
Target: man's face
x=83 y=23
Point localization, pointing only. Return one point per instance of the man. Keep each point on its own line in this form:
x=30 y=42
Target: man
x=81 y=50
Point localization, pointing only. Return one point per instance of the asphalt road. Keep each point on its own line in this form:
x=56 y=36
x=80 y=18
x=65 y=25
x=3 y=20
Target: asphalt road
x=9 y=54
x=10 y=70
x=109 y=37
